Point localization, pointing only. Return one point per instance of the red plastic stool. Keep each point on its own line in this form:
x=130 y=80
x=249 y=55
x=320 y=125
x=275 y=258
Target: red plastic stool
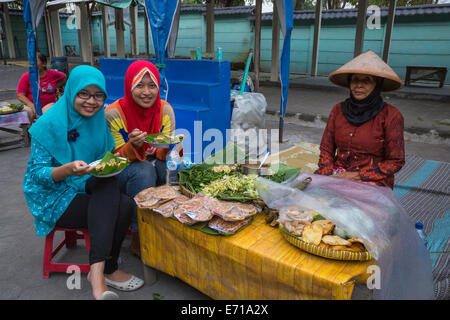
x=70 y=240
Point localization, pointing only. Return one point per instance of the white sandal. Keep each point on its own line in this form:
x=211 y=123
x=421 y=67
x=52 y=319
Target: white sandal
x=131 y=284
x=108 y=295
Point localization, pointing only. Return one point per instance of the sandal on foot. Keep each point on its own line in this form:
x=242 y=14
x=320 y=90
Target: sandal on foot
x=108 y=295
x=132 y=284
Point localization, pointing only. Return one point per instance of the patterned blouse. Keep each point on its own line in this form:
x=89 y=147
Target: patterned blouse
x=375 y=149
x=47 y=200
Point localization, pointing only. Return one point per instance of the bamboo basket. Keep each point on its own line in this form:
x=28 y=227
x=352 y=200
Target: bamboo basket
x=325 y=252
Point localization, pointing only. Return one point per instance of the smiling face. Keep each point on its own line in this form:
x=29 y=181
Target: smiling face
x=361 y=85
x=89 y=101
x=146 y=92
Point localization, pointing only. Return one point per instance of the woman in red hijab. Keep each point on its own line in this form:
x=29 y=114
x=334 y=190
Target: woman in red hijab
x=139 y=113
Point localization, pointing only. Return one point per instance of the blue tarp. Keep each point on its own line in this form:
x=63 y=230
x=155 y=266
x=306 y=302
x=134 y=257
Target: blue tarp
x=164 y=26
x=31 y=23
x=286 y=14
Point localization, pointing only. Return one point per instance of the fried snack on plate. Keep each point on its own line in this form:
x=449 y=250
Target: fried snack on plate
x=222 y=226
x=324 y=245
x=145 y=194
x=182 y=217
x=167 y=209
x=234 y=211
x=312 y=233
x=326 y=225
x=335 y=241
x=166 y=192
x=295 y=227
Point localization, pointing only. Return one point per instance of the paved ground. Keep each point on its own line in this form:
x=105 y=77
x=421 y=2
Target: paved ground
x=21 y=250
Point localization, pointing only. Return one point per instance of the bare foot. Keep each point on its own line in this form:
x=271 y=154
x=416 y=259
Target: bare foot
x=118 y=276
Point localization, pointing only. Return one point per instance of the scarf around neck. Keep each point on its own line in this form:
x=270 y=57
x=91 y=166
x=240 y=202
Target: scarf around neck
x=357 y=112
x=146 y=120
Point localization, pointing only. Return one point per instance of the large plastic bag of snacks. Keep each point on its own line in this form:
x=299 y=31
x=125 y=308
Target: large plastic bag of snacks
x=371 y=213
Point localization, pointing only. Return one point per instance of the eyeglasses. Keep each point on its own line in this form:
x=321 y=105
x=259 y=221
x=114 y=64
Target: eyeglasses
x=99 y=96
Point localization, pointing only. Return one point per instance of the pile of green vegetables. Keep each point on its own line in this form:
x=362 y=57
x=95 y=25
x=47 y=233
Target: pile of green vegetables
x=225 y=182
x=201 y=175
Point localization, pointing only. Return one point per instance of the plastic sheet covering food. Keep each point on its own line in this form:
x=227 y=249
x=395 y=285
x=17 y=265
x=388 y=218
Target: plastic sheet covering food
x=373 y=214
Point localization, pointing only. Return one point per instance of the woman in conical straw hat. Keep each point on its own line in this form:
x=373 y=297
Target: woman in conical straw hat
x=363 y=139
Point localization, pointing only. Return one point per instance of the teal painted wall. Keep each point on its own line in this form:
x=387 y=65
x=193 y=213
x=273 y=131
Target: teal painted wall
x=416 y=40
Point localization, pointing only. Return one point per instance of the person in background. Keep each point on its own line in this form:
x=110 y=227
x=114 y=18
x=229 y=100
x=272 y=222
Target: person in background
x=49 y=81
x=59 y=189
x=363 y=139
x=139 y=113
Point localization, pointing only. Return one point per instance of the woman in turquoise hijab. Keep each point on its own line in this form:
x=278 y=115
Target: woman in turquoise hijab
x=59 y=190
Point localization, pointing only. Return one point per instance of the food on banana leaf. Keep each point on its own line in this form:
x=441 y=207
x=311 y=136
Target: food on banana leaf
x=109 y=164
x=159 y=138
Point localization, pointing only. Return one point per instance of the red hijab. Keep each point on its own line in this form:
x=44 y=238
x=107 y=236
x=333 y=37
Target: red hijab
x=147 y=120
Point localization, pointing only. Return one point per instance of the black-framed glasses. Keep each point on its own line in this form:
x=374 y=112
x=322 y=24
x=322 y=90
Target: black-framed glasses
x=99 y=96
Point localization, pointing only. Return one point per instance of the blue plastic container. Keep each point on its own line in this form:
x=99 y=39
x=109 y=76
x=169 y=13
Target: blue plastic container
x=199 y=92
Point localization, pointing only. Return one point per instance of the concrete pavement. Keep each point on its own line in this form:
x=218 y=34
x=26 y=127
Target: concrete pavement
x=21 y=251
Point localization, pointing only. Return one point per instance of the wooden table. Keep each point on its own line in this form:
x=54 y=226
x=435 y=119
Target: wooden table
x=18 y=138
x=256 y=263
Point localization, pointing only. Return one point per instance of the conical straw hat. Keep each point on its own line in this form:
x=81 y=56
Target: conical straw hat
x=367 y=63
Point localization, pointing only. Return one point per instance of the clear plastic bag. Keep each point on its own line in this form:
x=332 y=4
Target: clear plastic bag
x=247 y=120
x=371 y=213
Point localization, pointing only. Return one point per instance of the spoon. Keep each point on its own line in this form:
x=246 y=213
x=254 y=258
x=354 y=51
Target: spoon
x=264 y=159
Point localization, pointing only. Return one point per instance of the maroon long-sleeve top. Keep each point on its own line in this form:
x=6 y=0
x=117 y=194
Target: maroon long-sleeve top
x=375 y=149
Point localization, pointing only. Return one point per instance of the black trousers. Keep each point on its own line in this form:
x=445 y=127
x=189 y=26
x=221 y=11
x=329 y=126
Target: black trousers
x=106 y=213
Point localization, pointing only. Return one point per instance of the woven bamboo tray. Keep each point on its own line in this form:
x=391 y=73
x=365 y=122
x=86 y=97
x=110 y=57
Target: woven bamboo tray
x=325 y=252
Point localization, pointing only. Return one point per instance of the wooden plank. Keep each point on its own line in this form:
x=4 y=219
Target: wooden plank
x=106 y=41
x=257 y=50
x=360 y=27
x=210 y=25
x=389 y=27
x=274 y=68
x=317 y=27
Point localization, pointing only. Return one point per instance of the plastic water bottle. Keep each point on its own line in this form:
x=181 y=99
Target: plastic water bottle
x=422 y=234
x=173 y=162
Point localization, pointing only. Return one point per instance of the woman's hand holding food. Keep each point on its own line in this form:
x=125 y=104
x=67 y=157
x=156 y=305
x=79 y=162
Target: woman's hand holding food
x=137 y=138
x=79 y=168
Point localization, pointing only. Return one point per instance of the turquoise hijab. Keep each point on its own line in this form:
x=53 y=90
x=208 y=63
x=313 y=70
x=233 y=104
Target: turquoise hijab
x=54 y=130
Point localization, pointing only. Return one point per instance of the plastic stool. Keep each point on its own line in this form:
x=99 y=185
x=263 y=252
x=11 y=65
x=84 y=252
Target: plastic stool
x=70 y=240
